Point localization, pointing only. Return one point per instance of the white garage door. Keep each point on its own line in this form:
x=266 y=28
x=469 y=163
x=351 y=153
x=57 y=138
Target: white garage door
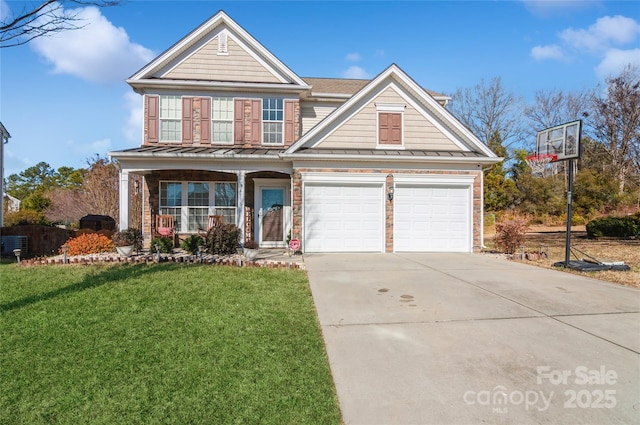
x=432 y=219
x=343 y=218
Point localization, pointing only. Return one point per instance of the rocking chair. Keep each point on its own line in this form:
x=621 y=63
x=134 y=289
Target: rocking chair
x=165 y=226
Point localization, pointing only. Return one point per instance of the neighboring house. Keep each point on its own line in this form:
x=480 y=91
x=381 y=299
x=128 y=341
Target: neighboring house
x=4 y=139
x=342 y=165
x=11 y=204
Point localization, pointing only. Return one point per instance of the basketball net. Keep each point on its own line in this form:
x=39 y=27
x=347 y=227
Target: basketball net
x=539 y=163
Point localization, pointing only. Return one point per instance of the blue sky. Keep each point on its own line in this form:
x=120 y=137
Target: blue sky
x=64 y=99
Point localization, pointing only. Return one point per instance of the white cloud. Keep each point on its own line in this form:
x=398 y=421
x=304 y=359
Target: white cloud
x=353 y=57
x=97 y=52
x=356 y=72
x=133 y=127
x=607 y=31
x=547 y=52
x=615 y=60
x=603 y=40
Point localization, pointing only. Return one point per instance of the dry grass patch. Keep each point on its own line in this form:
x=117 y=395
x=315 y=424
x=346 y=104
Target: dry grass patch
x=627 y=250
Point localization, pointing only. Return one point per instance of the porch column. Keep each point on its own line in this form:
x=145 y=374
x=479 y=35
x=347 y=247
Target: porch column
x=123 y=223
x=241 y=179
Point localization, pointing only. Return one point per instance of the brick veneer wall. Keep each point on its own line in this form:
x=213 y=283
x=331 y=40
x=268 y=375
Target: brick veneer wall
x=197 y=130
x=151 y=189
x=477 y=199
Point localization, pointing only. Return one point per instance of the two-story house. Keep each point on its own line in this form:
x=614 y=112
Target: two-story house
x=342 y=165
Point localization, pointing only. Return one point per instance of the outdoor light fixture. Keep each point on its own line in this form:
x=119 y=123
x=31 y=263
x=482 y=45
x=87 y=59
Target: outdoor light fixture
x=390 y=193
x=17 y=253
x=65 y=248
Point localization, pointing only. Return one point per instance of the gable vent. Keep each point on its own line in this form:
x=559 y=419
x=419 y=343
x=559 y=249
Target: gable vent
x=222 y=44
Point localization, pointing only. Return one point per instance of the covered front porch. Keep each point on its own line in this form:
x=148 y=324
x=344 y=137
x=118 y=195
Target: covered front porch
x=254 y=195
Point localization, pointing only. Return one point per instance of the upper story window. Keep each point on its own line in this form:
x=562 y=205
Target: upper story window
x=170 y=118
x=390 y=123
x=222 y=120
x=272 y=121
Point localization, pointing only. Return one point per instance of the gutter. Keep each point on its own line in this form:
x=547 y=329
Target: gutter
x=386 y=158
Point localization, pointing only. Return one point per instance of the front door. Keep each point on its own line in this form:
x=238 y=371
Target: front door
x=272 y=213
x=272 y=216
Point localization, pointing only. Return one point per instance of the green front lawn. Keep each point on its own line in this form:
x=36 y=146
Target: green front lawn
x=169 y=344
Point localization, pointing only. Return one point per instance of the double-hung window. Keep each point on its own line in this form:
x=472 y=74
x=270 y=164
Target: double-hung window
x=198 y=202
x=171 y=200
x=222 y=120
x=170 y=118
x=272 y=121
x=191 y=203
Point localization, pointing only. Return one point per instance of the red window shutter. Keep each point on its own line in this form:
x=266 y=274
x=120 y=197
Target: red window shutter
x=256 y=121
x=205 y=120
x=390 y=128
x=238 y=121
x=383 y=131
x=153 y=110
x=289 y=122
x=396 y=129
x=187 y=120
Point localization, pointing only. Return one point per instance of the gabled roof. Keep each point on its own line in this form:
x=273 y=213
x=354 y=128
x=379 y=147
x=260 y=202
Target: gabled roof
x=192 y=40
x=393 y=74
x=348 y=87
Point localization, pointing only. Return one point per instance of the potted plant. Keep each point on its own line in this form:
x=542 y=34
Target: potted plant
x=251 y=250
x=127 y=240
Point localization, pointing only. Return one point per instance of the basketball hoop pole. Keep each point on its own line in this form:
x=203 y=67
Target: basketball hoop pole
x=567 y=250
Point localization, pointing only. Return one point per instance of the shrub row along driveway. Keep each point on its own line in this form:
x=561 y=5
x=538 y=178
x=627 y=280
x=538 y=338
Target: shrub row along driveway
x=463 y=338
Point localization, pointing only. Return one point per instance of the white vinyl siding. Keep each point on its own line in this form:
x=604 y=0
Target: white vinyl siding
x=312 y=113
x=170 y=118
x=360 y=131
x=236 y=64
x=222 y=120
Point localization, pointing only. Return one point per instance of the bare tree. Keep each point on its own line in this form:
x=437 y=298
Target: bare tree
x=615 y=123
x=100 y=188
x=487 y=109
x=43 y=18
x=555 y=107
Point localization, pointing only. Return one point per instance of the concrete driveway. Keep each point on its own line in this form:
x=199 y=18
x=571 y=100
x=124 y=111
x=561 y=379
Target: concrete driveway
x=471 y=339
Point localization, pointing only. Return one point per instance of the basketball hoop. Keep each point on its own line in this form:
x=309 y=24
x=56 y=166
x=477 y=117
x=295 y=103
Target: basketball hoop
x=539 y=163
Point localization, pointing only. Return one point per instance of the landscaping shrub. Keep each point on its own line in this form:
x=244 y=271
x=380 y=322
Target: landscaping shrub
x=192 y=243
x=24 y=217
x=510 y=235
x=576 y=219
x=128 y=237
x=223 y=239
x=89 y=243
x=165 y=245
x=614 y=226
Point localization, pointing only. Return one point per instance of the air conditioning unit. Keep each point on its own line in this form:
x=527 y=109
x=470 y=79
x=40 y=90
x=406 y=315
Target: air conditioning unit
x=9 y=243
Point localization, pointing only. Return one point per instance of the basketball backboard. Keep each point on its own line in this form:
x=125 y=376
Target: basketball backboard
x=562 y=140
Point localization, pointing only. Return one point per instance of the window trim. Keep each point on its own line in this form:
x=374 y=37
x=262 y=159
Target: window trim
x=231 y=121
x=184 y=206
x=178 y=120
x=263 y=122
x=390 y=108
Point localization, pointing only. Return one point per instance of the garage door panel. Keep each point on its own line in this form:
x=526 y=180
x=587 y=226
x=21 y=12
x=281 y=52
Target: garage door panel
x=432 y=218
x=343 y=218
